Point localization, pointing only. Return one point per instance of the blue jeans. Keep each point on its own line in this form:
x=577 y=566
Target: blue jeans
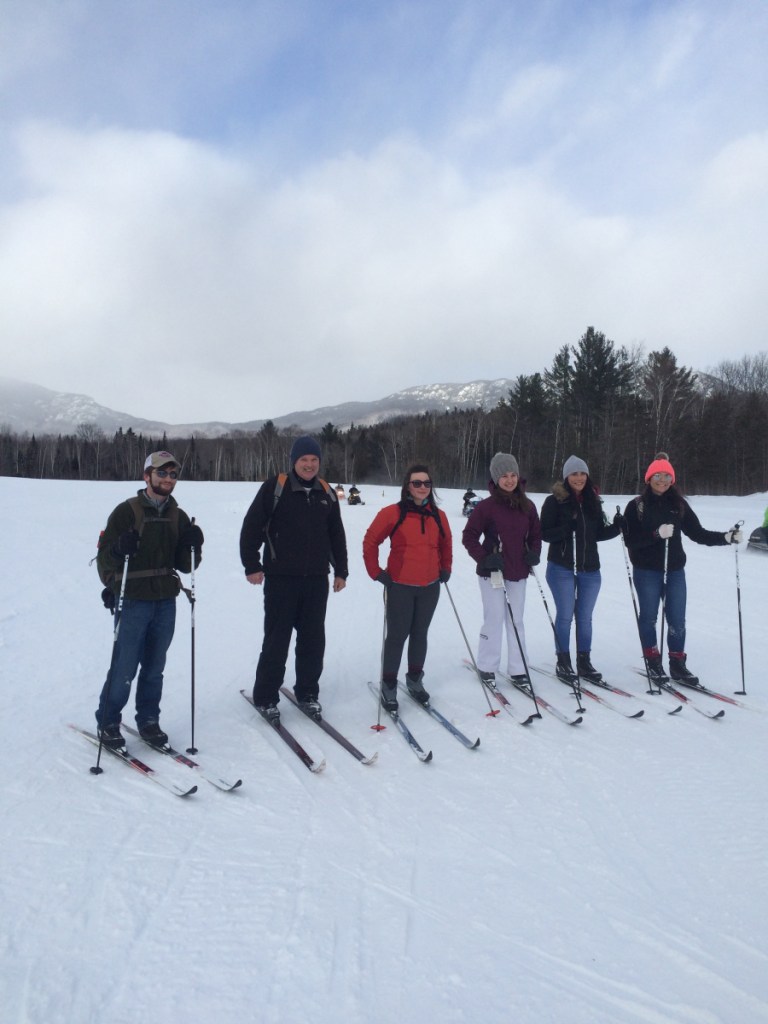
x=144 y=635
x=561 y=584
x=649 y=584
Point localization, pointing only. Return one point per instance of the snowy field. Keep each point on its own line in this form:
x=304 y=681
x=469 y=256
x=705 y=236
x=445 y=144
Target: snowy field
x=611 y=873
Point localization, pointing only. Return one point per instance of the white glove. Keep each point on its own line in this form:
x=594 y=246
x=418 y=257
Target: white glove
x=666 y=530
x=733 y=536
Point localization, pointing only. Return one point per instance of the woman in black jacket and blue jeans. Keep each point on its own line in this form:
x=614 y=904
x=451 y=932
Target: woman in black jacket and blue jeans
x=574 y=510
x=656 y=521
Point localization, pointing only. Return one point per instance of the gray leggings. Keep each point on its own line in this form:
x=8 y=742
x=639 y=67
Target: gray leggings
x=409 y=613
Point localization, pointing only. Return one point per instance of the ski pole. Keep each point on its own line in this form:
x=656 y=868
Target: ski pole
x=637 y=613
x=491 y=710
x=743 y=689
x=577 y=684
x=97 y=769
x=192 y=749
x=379 y=727
x=664 y=594
x=532 y=694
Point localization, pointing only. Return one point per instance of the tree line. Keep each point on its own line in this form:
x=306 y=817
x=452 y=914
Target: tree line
x=614 y=407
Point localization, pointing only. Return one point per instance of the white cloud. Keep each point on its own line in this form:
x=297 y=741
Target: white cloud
x=355 y=278
x=605 y=170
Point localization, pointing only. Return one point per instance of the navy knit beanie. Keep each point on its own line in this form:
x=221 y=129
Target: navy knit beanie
x=304 y=445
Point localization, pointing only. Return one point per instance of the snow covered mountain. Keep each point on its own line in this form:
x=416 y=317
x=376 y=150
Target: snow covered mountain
x=37 y=410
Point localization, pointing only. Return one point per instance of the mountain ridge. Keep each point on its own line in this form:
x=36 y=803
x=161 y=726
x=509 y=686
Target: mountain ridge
x=33 y=409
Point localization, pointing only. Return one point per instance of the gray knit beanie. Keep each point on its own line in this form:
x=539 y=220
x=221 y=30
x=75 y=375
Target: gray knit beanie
x=502 y=463
x=574 y=464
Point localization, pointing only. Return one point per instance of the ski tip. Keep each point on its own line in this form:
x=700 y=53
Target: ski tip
x=187 y=792
x=426 y=758
x=638 y=714
x=576 y=721
x=317 y=766
x=370 y=760
x=476 y=744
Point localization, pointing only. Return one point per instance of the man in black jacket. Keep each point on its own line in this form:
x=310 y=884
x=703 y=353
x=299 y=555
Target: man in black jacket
x=295 y=518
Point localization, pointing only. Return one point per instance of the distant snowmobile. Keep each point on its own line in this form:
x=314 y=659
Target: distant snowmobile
x=758 y=539
x=470 y=500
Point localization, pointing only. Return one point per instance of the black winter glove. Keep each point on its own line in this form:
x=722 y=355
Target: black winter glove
x=384 y=578
x=493 y=563
x=126 y=544
x=531 y=558
x=619 y=520
x=192 y=537
x=445 y=575
x=109 y=599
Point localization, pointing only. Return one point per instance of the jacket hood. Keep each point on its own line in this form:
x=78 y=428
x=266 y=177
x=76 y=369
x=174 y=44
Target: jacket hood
x=560 y=491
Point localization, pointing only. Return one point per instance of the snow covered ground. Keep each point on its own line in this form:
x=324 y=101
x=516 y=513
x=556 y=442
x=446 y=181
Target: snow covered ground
x=612 y=873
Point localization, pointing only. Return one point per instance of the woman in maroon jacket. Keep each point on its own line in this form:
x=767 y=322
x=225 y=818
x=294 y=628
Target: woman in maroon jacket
x=508 y=524
x=419 y=561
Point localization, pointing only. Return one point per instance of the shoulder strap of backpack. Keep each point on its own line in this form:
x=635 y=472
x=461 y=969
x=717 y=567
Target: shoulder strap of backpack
x=279 y=485
x=328 y=489
x=400 y=519
x=138 y=513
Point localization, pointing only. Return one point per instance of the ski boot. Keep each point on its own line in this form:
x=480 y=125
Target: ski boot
x=269 y=712
x=564 y=669
x=111 y=736
x=311 y=707
x=389 y=695
x=415 y=687
x=587 y=670
x=679 y=671
x=654 y=667
x=151 y=733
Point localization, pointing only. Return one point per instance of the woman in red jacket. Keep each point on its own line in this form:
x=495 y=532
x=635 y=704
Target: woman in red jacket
x=419 y=561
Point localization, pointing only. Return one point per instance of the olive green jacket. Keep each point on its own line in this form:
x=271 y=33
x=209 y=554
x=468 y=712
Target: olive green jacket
x=152 y=571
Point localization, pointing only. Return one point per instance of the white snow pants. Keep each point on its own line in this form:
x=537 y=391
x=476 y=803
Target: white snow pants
x=496 y=619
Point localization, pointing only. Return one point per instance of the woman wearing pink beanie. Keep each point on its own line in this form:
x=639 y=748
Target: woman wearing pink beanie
x=655 y=523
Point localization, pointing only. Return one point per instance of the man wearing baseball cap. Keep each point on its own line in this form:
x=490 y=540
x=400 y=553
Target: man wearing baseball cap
x=147 y=541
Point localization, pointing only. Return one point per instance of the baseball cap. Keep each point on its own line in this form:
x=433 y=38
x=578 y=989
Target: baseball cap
x=158 y=459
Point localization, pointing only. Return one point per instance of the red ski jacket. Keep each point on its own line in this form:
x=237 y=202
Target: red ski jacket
x=419 y=548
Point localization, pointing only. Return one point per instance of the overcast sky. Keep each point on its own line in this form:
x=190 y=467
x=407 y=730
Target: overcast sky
x=235 y=209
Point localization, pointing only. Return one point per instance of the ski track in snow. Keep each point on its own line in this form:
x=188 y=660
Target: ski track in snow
x=611 y=872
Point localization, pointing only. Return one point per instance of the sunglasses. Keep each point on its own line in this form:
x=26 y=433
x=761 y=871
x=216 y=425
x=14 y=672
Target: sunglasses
x=420 y=483
x=163 y=473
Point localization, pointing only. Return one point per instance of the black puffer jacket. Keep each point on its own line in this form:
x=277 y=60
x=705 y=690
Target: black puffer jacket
x=301 y=536
x=562 y=511
x=646 y=514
